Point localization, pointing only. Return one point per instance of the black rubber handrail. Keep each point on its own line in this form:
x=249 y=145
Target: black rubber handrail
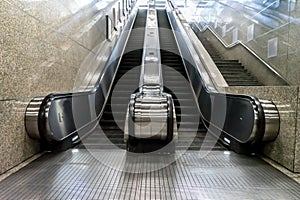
x=63 y=120
x=241 y=125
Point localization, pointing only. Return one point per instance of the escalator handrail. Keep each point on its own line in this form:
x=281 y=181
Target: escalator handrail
x=258 y=123
x=44 y=125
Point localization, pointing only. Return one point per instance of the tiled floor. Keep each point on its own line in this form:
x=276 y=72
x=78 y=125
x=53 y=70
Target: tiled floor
x=103 y=174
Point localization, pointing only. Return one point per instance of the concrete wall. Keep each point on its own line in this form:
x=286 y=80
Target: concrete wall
x=43 y=44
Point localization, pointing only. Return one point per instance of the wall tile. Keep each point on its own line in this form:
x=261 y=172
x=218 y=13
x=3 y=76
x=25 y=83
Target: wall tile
x=297 y=143
x=15 y=143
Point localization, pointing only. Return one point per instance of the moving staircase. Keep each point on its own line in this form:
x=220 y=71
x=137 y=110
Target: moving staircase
x=191 y=133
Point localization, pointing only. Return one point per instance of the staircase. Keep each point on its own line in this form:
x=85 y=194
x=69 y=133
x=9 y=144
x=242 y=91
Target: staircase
x=233 y=71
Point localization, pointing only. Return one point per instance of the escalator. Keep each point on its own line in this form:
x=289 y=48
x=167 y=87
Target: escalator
x=192 y=132
x=112 y=121
x=186 y=107
x=97 y=118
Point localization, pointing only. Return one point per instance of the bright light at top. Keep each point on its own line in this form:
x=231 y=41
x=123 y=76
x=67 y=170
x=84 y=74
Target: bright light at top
x=82 y=3
x=101 y=5
x=75 y=150
x=228 y=20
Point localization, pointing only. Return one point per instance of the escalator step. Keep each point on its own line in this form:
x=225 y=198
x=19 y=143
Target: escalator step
x=190 y=128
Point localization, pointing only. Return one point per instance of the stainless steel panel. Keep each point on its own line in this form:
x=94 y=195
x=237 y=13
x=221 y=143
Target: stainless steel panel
x=31 y=117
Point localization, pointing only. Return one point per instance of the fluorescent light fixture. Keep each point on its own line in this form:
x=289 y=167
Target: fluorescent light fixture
x=82 y=3
x=101 y=5
x=75 y=138
x=227 y=140
x=75 y=150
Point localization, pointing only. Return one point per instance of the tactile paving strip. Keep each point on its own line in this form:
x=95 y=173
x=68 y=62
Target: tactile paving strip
x=76 y=174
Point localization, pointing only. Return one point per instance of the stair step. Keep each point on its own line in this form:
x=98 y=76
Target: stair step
x=226 y=61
